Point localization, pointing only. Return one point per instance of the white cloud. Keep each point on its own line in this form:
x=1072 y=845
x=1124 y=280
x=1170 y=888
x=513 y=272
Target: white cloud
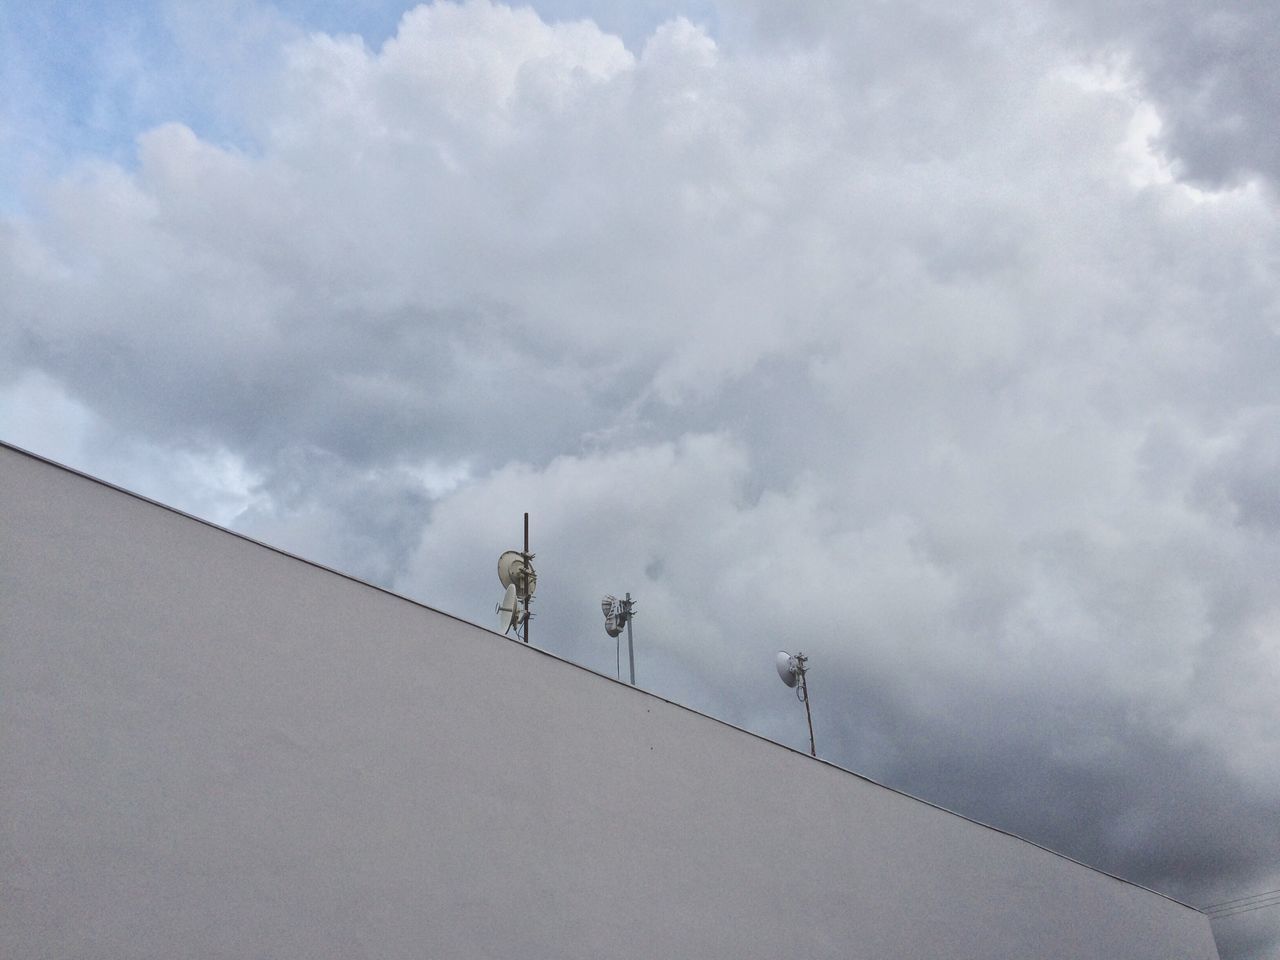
x=893 y=335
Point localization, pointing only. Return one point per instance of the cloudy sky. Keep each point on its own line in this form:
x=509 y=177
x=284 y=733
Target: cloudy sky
x=939 y=341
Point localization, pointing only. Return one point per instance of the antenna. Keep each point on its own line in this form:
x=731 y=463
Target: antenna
x=787 y=668
x=515 y=571
x=617 y=614
x=793 y=670
x=508 y=610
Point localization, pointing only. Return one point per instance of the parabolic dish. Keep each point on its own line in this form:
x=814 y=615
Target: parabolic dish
x=787 y=668
x=508 y=610
x=511 y=569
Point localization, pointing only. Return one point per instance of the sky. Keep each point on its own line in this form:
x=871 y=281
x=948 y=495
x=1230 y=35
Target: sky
x=940 y=342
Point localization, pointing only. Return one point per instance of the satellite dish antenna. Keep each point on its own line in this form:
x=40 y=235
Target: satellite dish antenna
x=618 y=614
x=509 y=610
x=794 y=670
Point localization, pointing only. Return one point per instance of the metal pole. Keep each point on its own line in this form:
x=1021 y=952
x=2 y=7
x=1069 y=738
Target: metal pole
x=631 y=649
x=804 y=686
x=527 y=599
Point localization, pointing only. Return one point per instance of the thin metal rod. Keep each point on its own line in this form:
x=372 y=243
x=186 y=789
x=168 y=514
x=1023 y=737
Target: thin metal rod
x=631 y=649
x=804 y=684
x=527 y=599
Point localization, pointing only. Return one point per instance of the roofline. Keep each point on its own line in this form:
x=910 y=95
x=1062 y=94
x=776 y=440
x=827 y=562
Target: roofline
x=554 y=656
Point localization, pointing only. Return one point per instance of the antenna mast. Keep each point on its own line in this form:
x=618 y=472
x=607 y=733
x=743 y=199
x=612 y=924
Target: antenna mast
x=631 y=647
x=804 y=696
x=617 y=614
x=524 y=576
x=793 y=671
x=516 y=573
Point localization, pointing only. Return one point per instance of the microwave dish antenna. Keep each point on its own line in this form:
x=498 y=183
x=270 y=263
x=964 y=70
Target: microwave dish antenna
x=513 y=568
x=508 y=610
x=787 y=668
x=794 y=670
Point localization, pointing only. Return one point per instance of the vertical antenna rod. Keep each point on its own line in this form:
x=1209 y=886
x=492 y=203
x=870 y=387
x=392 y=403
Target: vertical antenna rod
x=793 y=672
x=631 y=648
x=804 y=695
x=528 y=561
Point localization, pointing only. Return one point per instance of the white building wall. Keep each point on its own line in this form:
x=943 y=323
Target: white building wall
x=211 y=749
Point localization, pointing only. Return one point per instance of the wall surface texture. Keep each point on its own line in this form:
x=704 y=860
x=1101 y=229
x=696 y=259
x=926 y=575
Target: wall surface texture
x=211 y=749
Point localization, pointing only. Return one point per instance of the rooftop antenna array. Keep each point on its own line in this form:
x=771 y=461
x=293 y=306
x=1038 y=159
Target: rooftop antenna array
x=793 y=671
x=618 y=614
x=516 y=574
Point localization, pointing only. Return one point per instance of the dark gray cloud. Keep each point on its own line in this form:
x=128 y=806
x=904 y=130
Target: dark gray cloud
x=884 y=332
x=1214 y=73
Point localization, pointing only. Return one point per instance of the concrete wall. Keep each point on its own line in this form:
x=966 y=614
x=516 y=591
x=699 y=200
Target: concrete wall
x=211 y=749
